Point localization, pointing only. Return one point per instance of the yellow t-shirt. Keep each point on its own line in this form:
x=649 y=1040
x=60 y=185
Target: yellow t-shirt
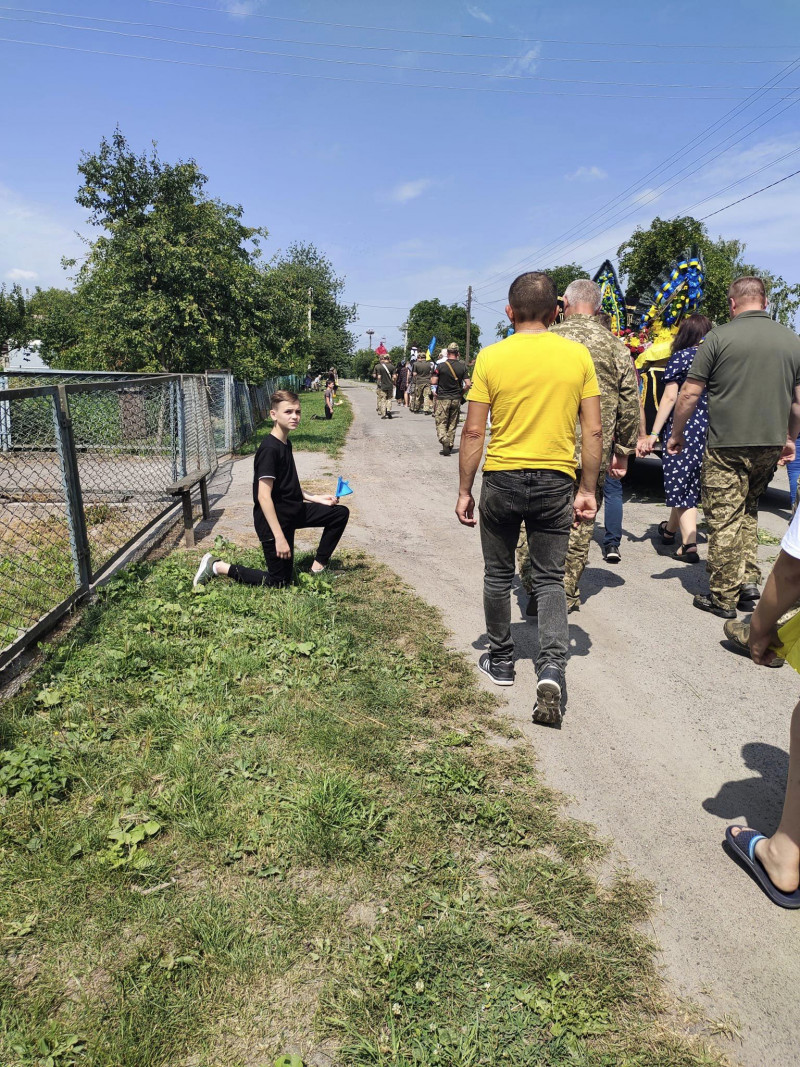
x=534 y=383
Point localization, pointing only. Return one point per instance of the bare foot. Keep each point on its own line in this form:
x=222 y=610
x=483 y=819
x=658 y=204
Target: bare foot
x=780 y=857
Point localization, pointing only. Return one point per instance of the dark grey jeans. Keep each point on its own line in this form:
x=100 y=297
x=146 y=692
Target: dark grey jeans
x=542 y=499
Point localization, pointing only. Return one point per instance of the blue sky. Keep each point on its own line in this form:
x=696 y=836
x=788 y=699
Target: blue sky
x=567 y=113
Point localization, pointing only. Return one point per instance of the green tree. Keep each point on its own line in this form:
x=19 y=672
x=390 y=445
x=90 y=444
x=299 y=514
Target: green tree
x=648 y=252
x=13 y=316
x=311 y=277
x=564 y=274
x=54 y=318
x=361 y=364
x=445 y=322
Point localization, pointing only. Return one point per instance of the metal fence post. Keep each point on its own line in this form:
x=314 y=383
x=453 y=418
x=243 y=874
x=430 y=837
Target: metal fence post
x=228 y=379
x=70 y=478
x=5 y=418
x=181 y=400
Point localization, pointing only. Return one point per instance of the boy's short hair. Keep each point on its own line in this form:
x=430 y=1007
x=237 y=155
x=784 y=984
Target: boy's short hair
x=283 y=396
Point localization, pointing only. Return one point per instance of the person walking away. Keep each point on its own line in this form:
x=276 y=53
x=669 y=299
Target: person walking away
x=401 y=382
x=537 y=385
x=681 y=472
x=619 y=402
x=775 y=860
x=280 y=508
x=449 y=382
x=383 y=373
x=751 y=369
x=423 y=401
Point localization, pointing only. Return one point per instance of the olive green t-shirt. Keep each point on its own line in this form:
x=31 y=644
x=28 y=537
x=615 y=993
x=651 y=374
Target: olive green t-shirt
x=750 y=366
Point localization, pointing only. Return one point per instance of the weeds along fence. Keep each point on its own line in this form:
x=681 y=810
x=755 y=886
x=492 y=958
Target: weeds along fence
x=85 y=462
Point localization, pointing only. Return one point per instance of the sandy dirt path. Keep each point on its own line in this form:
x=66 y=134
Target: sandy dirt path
x=668 y=737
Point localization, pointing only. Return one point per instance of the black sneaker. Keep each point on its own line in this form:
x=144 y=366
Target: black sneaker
x=547 y=708
x=706 y=602
x=501 y=671
x=749 y=596
x=612 y=554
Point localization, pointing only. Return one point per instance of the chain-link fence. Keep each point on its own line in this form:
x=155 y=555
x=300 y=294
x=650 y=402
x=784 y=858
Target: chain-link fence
x=84 y=472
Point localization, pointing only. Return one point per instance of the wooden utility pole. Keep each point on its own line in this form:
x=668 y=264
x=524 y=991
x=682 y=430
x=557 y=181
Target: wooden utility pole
x=469 y=320
x=310 y=298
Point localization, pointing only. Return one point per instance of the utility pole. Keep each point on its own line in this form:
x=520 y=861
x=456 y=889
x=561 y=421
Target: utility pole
x=404 y=328
x=469 y=320
x=369 y=334
x=310 y=296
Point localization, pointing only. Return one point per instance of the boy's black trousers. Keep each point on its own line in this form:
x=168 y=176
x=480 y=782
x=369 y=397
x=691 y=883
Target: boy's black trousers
x=332 y=519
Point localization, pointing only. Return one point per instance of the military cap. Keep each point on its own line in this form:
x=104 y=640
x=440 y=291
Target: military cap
x=453 y=347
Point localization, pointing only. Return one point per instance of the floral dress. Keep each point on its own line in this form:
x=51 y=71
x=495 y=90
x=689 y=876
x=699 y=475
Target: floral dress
x=682 y=472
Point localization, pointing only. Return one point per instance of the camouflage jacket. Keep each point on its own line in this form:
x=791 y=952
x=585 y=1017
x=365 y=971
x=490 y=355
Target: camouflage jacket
x=619 y=390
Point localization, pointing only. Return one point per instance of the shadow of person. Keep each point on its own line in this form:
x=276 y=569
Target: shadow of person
x=595 y=579
x=692 y=578
x=758 y=800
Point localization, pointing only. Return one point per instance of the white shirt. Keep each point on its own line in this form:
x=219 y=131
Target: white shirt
x=791 y=539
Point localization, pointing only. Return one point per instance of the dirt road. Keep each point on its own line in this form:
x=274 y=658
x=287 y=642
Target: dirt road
x=668 y=737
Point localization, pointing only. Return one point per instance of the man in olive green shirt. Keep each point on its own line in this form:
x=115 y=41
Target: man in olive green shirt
x=751 y=369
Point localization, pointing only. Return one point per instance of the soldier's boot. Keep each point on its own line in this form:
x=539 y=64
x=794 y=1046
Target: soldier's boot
x=749 y=596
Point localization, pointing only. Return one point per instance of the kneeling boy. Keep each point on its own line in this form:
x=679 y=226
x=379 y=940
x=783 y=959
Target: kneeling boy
x=280 y=507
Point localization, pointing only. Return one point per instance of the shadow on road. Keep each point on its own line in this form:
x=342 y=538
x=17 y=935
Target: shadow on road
x=758 y=800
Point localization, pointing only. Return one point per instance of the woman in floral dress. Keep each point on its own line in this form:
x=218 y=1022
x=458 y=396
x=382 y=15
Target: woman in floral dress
x=682 y=472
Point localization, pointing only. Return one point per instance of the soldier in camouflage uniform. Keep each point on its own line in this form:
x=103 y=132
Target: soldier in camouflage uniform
x=423 y=401
x=384 y=375
x=751 y=369
x=619 y=403
x=449 y=382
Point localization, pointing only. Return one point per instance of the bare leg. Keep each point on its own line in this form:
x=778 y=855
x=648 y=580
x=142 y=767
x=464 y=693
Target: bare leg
x=687 y=522
x=780 y=854
x=221 y=568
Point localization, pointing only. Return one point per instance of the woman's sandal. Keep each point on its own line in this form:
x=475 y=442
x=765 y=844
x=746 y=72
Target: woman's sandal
x=687 y=553
x=667 y=538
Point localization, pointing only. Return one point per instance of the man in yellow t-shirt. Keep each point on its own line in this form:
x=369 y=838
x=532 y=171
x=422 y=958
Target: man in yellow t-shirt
x=536 y=386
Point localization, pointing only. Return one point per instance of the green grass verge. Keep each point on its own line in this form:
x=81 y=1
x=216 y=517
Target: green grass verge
x=239 y=822
x=313 y=435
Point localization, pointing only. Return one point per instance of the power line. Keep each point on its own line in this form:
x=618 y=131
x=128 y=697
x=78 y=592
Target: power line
x=381 y=66
x=383 y=48
x=331 y=78
x=602 y=212
x=749 y=196
x=683 y=45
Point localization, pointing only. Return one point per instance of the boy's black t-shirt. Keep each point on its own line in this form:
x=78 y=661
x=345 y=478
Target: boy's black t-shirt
x=274 y=460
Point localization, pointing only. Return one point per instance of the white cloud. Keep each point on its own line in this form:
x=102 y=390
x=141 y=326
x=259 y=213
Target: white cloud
x=405 y=191
x=17 y=274
x=32 y=234
x=524 y=64
x=646 y=196
x=476 y=13
x=587 y=174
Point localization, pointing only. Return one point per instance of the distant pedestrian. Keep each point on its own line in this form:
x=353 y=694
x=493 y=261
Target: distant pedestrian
x=401 y=382
x=384 y=374
x=751 y=369
x=449 y=383
x=536 y=385
x=281 y=507
x=330 y=387
x=423 y=399
x=682 y=471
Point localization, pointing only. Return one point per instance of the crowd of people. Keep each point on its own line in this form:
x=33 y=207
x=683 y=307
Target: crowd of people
x=562 y=404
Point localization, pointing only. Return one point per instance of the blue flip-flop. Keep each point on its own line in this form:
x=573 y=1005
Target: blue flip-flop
x=744 y=849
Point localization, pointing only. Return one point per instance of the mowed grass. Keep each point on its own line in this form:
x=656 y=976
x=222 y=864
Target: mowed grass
x=313 y=435
x=237 y=823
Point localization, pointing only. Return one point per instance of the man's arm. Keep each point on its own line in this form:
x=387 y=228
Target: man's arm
x=585 y=505
x=470 y=453
x=270 y=514
x=781 y=591
x=626 y=431
x=690 y=393
x=790 y=448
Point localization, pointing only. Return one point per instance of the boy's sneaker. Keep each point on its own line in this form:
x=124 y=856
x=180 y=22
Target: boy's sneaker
x=611 y=554
x=547 y=708
x=501 y=671
x=205 y=571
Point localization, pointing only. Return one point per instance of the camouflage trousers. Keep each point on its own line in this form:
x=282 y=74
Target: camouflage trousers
x=447 y=418
x=384 y=402
x=422 y=399
x=732 y=480
x=580 y=538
